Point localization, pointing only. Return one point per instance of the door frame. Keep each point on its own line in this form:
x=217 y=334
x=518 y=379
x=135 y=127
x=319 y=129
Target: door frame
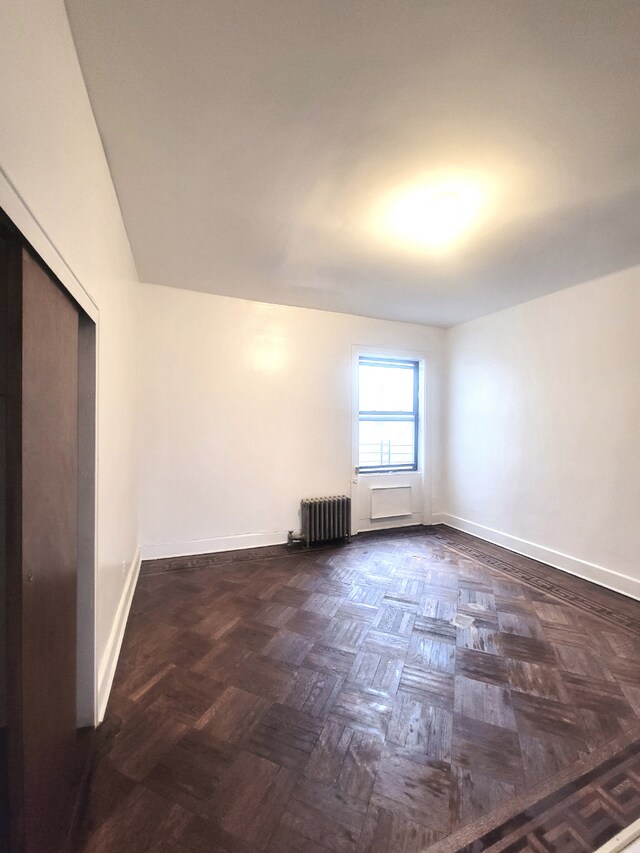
x=86 y=653
x=425 y=426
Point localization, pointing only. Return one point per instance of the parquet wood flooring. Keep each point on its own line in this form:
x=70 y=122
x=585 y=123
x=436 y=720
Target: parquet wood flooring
x=331 y=700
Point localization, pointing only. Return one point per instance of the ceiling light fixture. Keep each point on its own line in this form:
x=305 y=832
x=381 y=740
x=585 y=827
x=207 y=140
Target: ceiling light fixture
x=434 y=216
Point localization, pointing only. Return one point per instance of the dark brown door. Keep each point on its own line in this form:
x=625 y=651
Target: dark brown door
x=42 y=558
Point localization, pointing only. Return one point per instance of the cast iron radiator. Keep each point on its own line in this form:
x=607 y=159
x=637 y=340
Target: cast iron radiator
x=324 y=519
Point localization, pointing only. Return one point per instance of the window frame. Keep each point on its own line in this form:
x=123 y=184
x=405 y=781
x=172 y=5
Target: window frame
x=372 y=415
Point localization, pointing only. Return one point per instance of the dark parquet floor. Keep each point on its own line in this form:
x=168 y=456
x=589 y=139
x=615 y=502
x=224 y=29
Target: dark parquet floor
x=402 y=693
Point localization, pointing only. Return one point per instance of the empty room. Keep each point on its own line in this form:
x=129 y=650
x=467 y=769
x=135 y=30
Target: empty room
x=319 y=426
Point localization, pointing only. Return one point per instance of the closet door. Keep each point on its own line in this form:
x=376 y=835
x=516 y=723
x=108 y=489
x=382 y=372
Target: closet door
x=42 y=558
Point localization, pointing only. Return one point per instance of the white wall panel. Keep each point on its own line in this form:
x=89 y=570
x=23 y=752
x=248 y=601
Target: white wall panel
x=544 y=428
x=391 y=502
x=245 y=409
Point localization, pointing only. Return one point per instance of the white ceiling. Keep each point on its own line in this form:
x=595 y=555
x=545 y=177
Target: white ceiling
x=252 y=141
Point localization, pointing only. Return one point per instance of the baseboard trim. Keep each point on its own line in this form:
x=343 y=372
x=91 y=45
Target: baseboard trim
x=600 y=575
x=112 y=652
x=622 y=840
x=213 y=546
x=190 y=562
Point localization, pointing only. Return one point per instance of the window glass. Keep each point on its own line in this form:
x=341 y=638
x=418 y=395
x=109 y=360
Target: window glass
x=386 y=443
x=388 y=414
x=386 y=389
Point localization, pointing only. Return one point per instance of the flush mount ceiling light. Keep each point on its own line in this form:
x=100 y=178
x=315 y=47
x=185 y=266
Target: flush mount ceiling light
x=435 y=215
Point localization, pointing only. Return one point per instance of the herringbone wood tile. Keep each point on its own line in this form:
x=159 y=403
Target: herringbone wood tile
x=328 y=701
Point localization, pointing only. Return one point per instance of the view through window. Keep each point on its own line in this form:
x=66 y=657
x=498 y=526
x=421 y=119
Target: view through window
x=388 y=414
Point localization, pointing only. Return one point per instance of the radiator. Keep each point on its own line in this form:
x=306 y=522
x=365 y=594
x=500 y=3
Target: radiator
x=324 y=519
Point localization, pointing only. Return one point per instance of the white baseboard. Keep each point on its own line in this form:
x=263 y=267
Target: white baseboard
x=112 y=652
x=581 y=568
x=212 y=546
x=628 y=839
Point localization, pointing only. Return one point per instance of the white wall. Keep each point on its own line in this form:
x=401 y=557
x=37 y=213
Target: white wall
x=56 y=186
x=543 y=425
x=245 y=408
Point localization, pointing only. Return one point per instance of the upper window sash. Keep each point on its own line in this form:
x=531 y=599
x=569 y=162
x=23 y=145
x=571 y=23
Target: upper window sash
x=372 y=361
x=402 y=364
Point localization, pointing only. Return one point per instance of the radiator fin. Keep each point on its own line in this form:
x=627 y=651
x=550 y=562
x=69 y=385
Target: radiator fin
x=325 y=519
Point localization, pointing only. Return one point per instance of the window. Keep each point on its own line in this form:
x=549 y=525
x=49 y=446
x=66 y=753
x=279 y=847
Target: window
x=388 y=414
